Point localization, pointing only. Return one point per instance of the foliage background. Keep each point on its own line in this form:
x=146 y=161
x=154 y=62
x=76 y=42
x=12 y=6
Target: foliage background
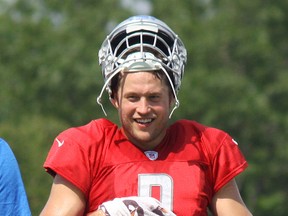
x=236 y=79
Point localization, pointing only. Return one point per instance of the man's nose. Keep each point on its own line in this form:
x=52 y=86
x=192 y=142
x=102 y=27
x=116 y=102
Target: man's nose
x=143 y=106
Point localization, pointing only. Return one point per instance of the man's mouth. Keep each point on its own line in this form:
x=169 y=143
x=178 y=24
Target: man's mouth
x=144 y=121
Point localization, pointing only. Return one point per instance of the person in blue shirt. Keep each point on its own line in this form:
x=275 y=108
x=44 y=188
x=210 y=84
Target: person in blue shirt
x=13 y=198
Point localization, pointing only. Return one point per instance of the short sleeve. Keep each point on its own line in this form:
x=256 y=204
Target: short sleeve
x=76 y=153
x=68 y=158
x=228 y=162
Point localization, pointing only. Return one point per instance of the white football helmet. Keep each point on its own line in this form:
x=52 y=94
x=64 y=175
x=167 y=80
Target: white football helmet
x=142 y=43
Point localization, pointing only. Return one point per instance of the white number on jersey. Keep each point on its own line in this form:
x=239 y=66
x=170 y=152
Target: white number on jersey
x=162 y=180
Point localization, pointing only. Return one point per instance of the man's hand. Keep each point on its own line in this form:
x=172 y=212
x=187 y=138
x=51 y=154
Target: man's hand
x=132 y=206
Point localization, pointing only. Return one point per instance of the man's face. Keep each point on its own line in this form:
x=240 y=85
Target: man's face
x=143 y=102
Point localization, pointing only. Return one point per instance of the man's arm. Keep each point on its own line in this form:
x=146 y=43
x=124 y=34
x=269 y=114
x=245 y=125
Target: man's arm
x=227 y=201
x=65 y=199
x=12 y=191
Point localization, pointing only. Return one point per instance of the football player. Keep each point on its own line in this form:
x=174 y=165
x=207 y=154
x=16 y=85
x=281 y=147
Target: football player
x=186 y=166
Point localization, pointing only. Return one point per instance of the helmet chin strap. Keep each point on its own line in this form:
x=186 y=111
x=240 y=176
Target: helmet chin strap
x=99 y=101
x=177 y=103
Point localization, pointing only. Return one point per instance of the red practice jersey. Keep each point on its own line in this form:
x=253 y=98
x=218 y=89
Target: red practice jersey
x=184 y=171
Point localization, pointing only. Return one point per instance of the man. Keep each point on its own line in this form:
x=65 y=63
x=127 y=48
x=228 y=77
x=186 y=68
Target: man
x=186 y=166
x=13 y=199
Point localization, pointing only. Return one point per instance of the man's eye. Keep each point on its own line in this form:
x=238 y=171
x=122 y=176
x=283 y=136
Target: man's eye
x=132 y=98
x=154 y=97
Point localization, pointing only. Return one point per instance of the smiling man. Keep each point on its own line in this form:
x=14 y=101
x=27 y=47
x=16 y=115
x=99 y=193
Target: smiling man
x=183 y=168
x=143 y=102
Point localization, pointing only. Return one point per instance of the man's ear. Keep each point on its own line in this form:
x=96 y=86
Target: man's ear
x=172 y=101
x=114 y=101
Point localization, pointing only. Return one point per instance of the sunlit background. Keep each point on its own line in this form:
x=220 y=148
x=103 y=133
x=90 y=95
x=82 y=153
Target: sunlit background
x=236 y=80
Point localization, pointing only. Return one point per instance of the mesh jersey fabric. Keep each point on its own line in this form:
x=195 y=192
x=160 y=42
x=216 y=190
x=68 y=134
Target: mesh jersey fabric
x=193 y=163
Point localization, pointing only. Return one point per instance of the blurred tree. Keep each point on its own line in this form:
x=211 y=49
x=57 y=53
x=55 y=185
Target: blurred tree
x=236 y=79
x=49 y=77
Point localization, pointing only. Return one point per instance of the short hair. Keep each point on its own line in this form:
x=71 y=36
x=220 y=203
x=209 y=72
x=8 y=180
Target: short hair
x=157 y=73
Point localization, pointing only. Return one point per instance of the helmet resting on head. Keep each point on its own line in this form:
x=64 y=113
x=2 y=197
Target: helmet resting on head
x=142 y=43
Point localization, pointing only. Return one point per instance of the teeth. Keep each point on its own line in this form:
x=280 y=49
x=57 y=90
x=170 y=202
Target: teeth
x=144 y=121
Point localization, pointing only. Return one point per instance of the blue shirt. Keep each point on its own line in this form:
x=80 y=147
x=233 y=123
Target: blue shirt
x=13 y=199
